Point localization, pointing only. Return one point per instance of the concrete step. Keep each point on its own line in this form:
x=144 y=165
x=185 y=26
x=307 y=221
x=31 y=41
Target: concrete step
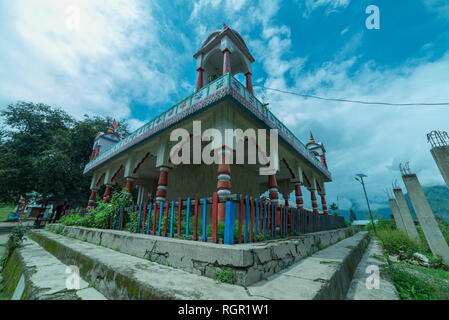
x=250 y=262
x=372 y=265
x=121 y=276
x=324 y=275
x=32 y=273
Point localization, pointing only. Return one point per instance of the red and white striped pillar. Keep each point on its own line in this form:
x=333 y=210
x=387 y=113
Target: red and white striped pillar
x=107 y=193
x=25 y=203
x=313 y=198
x=226 y=61
x=249 y=83
x=129 y=184
x=273 y=188
x=92 y=198
x=223 y=181
x=162 y=184
x=323 y=204
x=298 y=196
x=199 y=79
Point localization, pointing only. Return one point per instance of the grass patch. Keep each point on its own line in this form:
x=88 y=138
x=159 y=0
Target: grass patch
x=225 y=275
x=5 y=210
x=419 y=283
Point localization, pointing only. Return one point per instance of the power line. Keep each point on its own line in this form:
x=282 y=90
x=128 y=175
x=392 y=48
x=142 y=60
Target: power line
x=356 y=101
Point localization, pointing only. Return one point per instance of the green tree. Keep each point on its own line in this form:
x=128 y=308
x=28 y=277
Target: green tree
x=44 y=149
x=352 y=215
x=333 y=206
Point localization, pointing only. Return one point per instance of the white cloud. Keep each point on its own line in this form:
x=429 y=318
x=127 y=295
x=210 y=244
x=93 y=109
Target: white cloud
x=97 y=68
x=369 y=139
x=330 y=5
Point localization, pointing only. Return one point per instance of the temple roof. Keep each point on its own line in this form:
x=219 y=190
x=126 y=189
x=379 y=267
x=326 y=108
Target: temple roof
x=218 y=34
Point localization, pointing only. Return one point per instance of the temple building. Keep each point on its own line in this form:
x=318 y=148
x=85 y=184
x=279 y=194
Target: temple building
x=220 y=101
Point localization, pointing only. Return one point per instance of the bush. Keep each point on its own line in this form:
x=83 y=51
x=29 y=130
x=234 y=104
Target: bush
x=100 y=216
x=410 y=287
x=396 y=242
x=14 y=240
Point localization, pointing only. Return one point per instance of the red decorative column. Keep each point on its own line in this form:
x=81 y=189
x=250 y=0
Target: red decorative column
x=162 y=183
x=249 y=83
x=273 y=188
x=226 y=61
x=129 y=184
x=313 y=198
x=298 y=196
x=24 y=205
x=323 y=204
x=199 y=79
x=107 y=193
x=224 y=181
x=92 y=197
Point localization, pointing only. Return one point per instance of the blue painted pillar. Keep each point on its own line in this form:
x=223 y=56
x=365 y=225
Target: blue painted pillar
x=229 y=223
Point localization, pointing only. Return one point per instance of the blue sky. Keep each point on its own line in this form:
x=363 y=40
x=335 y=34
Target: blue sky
x=133 y=59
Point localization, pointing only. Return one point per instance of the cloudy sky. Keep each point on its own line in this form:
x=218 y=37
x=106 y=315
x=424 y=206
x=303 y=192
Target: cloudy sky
x=133 y=59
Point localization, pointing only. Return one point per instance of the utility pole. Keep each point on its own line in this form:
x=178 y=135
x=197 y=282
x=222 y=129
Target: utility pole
x=360 y=179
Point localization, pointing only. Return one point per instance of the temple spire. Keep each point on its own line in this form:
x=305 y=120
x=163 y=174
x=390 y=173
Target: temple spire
x=311 y=138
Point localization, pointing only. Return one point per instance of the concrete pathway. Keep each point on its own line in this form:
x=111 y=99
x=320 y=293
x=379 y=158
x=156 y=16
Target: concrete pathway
x=365 y=273
x=323 y=276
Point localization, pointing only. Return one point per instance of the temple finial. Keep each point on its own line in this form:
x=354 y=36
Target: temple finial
x=311 y=137
x=112 y=127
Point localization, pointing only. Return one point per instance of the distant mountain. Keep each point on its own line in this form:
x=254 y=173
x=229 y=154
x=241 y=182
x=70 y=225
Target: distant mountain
x=438 y=197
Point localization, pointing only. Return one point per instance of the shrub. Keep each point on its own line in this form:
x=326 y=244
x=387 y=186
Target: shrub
x=14 y=240
x=396 y=242
x=225 y=275
x=100 y=216
x=410 y=287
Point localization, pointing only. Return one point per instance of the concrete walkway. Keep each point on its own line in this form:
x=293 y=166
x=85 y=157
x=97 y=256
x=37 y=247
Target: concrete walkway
x=372 y=260
x=325 y=275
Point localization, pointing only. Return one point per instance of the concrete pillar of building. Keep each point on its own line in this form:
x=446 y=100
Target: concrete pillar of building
x=298 y=196
x=406 y=215
x=249 y=83
x=323 y=204
x=199 y=79
x=226 y=61
x=162 y=184
x=223 y=181
x=441 y=157
x=313 y=199
x=397 y=215
x=107 y=193
x=273 y=188
x=129 y=184
x=429 y=225
x=92 y=198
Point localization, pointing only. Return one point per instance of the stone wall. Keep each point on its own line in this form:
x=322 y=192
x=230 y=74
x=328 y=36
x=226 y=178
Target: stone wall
x=248 y=263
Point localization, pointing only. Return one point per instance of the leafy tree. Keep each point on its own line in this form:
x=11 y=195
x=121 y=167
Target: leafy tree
x=352 y=215
x=44 y=149
x=333 y=207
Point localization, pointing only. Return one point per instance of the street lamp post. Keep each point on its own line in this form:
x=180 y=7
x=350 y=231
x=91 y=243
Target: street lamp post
x=360 y=179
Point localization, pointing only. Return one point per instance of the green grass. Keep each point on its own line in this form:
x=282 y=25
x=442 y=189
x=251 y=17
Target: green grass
x=414 y=282
x=419 y=283
x=5 y=209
